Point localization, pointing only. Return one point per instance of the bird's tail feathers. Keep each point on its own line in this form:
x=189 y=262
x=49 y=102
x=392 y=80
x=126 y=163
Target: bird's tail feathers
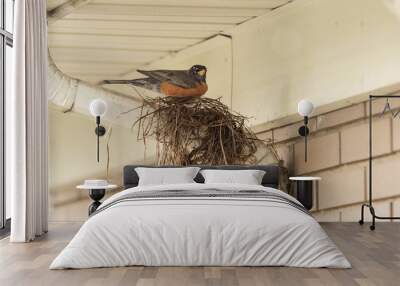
x=116 y=81
x=147 y=83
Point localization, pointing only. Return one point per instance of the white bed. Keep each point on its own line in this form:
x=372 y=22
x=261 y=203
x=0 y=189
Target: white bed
x=185 y=230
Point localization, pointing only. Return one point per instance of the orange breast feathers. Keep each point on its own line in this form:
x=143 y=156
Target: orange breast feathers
x=170 y=89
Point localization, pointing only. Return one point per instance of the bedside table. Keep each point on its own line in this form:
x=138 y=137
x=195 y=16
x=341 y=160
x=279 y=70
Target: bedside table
x=304 y=192
x=96 y=194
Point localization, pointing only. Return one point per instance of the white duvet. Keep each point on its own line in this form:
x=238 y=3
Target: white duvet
x=194 y=231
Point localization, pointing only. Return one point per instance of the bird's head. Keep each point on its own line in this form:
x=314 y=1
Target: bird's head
x=199 y=72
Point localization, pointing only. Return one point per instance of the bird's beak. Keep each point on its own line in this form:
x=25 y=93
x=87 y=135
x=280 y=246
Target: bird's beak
x=201 y=72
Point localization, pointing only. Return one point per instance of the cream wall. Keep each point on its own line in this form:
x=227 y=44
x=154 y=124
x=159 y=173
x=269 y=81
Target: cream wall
x=72 y=154
x=322 y=50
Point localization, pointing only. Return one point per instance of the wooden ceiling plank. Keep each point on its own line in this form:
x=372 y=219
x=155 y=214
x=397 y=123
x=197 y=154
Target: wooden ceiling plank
x=166 y=19
x=157 y=26
x=117 y=42
x=147 y=33
x=82 y=40
x=265 y=4
x=111 y=48
x=114 y=9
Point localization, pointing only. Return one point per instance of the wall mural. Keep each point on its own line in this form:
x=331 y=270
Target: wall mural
x=191 y=129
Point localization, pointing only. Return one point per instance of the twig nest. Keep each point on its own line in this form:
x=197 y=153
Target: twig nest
x=196 y=131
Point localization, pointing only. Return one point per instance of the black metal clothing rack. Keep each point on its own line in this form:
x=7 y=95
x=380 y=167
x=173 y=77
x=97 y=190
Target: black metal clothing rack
x=369 y=203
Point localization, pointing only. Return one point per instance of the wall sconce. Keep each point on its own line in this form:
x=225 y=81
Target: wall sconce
x=98 y=108
x=305 y=108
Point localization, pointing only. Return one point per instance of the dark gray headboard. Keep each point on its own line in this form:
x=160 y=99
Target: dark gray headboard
x=271 y=177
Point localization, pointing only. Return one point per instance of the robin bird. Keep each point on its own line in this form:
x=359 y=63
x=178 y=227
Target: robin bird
x=179 y=83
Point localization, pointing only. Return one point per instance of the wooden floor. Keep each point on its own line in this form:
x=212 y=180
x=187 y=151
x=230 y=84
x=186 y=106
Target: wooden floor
x=375 y=257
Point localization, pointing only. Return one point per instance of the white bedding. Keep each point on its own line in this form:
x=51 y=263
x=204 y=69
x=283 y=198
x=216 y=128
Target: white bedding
x=200 y=231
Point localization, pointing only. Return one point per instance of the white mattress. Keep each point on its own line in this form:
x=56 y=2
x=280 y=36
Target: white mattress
x=200 y=231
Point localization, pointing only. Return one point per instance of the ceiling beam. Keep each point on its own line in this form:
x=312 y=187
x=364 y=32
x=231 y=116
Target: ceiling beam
x=189 y=34
x=149 y=10
x=64 y=9
x=264 y=4
x=168 y=19
x=131 y=42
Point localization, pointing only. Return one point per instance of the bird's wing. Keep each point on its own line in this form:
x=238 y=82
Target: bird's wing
x=178 y=77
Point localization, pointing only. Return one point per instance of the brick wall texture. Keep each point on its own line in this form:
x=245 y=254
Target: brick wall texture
x=338 y=153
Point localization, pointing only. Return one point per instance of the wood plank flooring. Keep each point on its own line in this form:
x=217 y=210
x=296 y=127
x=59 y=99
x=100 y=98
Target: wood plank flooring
x=375 y=257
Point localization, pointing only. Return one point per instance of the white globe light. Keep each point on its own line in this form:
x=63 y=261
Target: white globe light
x=305 y=107
x=98 y=107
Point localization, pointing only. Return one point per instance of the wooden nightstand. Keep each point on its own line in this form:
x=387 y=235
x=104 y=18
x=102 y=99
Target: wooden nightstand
x=304 y=191
x=96 y=194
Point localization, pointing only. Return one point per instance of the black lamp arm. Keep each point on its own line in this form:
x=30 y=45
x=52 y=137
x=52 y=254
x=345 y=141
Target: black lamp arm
x=305 y=120
x=304 y=131
x=305 y=138
x=98 y=137
x=100 y=131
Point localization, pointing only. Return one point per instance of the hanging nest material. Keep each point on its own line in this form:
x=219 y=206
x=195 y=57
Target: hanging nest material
x=196 y=131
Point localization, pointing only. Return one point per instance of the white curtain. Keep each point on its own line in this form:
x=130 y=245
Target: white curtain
x=26 y=123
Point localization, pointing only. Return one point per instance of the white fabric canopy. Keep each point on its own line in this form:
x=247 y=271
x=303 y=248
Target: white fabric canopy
x=26 y=117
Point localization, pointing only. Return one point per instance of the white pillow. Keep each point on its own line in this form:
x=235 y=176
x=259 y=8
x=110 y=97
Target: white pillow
x=165 y=176
x=248 y=177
